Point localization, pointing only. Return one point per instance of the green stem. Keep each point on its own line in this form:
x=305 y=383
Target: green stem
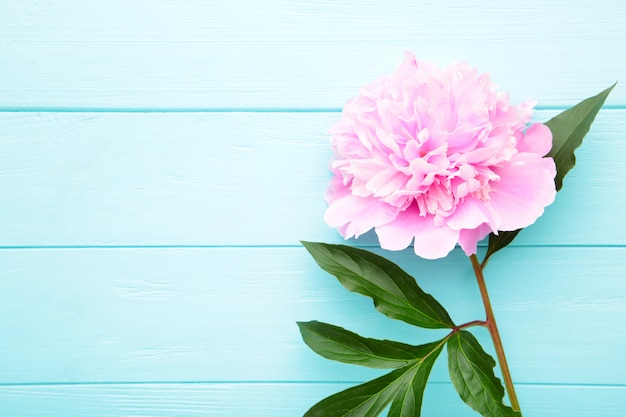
x=495 y=335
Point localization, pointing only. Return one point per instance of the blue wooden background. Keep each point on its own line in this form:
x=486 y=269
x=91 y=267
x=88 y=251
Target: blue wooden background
x=160 y=160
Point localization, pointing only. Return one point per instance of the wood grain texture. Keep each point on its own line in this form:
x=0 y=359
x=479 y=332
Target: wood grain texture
x=308 y=54
x=228 y=314
x=275 y=400
x=149 y=257
x=232 y=179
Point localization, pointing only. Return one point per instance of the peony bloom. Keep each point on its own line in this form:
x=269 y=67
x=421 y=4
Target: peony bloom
x=437 y=157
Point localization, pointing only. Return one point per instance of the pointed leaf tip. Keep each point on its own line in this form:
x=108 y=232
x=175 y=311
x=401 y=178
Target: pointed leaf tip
x=568 y=130
x=339 y=344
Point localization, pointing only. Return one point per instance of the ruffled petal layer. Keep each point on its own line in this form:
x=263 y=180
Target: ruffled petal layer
x=437 y=157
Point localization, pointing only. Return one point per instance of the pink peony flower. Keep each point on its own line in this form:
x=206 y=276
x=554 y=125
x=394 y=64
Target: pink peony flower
x=437 y=157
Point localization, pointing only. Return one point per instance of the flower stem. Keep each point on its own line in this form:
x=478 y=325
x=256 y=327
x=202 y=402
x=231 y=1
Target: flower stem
x=495 y=335
x=470 y=324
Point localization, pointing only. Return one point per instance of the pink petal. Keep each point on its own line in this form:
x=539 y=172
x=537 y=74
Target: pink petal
x=386 y=182
x=470 y=214
x=538 y=140
x=336 y=189
x=525 y=188
x=465 y=137
x=399 y=233
x=469 y=238
x=355 y=215
x=431 y=242
x=364 y=169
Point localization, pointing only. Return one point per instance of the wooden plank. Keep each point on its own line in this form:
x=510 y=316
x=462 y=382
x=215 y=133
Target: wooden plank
x=276 y=400
x=232 y=179
x=305 y=54
x=229 y=314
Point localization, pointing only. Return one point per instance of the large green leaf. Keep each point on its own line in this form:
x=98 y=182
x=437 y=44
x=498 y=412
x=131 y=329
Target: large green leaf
x=404 y=386
x=471 y=372
x=339 y=344
x=395 y=293
x=568 y=130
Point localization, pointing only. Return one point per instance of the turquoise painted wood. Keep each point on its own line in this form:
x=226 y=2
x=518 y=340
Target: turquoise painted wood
x=275 y=400
x=160 y=160
x=172 y=179
x=203 y=314
x=285 y=54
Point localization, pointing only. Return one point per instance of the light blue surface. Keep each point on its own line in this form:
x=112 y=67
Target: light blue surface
x=160 y=160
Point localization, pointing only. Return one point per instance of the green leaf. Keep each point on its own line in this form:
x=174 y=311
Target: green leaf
x=339 y=344
x=471 y=371
x=499 y=241
x=408 y=401
x=395 y=293
x=568 y=130
x=404 y=386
